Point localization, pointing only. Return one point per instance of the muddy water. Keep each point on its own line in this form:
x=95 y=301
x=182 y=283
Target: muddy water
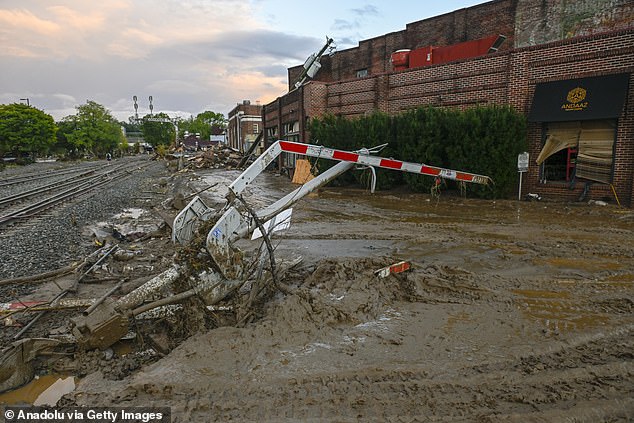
x=511 y=312
x=43 y=391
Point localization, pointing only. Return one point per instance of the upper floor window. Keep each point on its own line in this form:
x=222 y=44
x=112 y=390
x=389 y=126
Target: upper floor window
x=361 y=73
x=291 y=128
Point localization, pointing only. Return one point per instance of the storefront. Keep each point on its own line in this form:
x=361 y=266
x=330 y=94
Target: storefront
x=580 y=119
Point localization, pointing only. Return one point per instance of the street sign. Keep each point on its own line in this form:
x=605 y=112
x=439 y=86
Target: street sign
x=522 y=166
x=522 y=162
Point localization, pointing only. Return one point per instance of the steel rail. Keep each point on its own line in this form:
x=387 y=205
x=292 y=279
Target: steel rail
x=76 y=184
x=44 y=188
x=14 y=180
x=86 y=186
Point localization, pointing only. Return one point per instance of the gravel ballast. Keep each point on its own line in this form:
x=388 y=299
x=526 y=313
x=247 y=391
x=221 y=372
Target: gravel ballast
x=56 y=240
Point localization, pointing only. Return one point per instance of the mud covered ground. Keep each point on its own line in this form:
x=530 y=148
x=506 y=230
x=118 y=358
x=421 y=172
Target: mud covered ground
x=511 y=312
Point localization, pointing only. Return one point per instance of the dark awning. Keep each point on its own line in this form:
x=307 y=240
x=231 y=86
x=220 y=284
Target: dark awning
x=599 y=97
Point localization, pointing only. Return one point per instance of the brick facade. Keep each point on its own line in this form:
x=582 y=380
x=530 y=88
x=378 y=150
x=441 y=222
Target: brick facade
x=244 y=125
x=494 y=17
x=506 y=77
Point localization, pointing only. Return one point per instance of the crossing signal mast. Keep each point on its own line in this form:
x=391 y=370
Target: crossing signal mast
x=153 y=118
x=312 y=64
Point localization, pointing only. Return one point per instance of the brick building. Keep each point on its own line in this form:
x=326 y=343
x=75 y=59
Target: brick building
x=553 y=48
x=244 y=125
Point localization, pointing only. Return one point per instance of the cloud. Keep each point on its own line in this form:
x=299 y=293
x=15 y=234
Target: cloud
x=262 y=43
x=347 y=29
x=74 y=20
x=26 y=21
x=275 y=70
x=189 y=55
x=343 y=25
x=367 y=10
x=19 y=31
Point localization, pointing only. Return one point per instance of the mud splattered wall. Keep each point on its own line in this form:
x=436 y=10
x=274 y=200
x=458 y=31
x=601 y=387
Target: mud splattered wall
x=543 y=21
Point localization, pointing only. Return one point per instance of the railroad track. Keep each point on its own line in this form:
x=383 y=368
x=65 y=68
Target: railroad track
x=32 y=202
x=35 y=176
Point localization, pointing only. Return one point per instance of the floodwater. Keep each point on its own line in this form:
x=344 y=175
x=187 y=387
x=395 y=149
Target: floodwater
x=42 y=391
x=511 y=312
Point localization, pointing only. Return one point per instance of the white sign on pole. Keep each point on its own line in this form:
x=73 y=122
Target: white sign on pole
x=522 y=166
x=522 y=162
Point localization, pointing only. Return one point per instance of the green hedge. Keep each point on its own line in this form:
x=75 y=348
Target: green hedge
x=483 y=140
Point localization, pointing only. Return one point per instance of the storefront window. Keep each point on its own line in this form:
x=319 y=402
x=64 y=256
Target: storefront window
x=578 y=149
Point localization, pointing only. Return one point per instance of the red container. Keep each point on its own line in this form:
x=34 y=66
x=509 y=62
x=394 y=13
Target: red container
x=400 y=59
x=423 y=56
x=464 y=50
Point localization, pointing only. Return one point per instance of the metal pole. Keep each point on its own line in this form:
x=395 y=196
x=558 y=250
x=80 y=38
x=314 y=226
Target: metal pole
x=102 y=298
x=519 y=191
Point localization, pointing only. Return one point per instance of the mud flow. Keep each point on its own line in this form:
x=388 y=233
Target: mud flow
x=510 y=312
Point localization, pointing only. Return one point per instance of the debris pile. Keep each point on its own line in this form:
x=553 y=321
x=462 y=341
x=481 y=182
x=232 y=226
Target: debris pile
x=216 y=157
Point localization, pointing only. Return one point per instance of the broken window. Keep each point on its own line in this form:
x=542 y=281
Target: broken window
x=271 y=132
x=582 y=149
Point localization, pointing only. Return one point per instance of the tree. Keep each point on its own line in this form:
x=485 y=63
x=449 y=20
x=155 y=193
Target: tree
x=203 y=124
x=92 y=129
x=158 y=133
x=124 y=147
x=25 y=129
x=63 y=146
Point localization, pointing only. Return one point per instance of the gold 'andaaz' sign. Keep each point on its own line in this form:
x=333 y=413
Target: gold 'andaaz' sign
x=575 y=99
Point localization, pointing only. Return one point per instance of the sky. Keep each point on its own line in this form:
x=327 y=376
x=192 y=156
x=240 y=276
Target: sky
x=189 y=55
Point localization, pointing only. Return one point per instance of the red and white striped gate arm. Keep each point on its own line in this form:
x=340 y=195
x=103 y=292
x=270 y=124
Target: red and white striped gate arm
x=266 y=158
x=364 y=159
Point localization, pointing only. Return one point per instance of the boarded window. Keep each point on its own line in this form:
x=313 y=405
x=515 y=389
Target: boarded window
x=596 y=150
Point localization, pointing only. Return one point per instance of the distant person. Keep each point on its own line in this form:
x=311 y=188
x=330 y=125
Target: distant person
x=108 y=157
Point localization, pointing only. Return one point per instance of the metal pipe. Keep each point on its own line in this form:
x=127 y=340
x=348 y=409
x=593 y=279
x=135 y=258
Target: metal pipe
x=74 y=287
x=102 y=298
x=40 y=314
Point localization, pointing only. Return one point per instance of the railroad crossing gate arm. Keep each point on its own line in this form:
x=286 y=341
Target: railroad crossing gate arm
x=233 y=225
x=360 y=157
x=363 y=158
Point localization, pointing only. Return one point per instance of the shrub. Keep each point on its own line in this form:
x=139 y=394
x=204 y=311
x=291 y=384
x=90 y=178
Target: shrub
x=483 y=140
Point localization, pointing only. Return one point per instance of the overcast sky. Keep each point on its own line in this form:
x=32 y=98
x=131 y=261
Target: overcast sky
x=189 y=55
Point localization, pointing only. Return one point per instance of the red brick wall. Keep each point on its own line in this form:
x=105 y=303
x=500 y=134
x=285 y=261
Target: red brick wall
x=597 y=55
x=493 y=17
x=246 y=128
x=481 y=80
x=503 y=78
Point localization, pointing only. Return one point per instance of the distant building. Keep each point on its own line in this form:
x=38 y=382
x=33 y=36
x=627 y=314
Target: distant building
x=245 y=124
x=134 y=139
